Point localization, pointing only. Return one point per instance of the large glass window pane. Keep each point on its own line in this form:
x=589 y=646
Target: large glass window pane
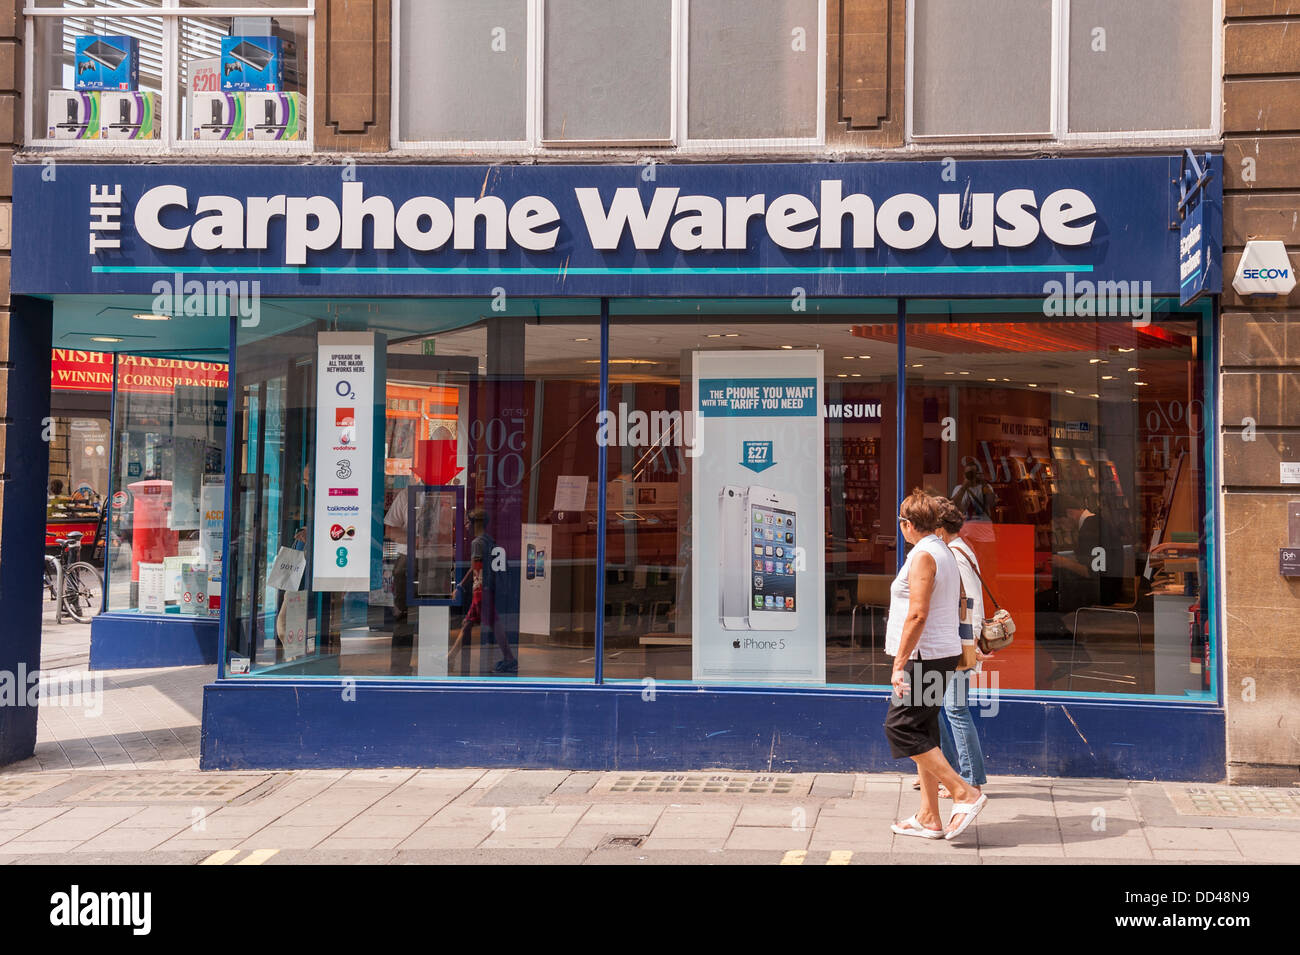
x=608 y=70
x=1162 y=47
x=458 y=504
x=982 y=68
x=1074 y=449
x=753 y=69
x=687 y=595
x=463 y=70
x=112 y=90
x=170 y=442
x=223 y=106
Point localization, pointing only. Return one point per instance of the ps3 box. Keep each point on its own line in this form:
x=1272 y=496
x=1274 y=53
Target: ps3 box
x=252 y=63
x=106 y=63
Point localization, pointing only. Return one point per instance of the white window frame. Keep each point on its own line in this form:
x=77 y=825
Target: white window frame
x=535 y=66
x=170 y=13
x=1060 y=95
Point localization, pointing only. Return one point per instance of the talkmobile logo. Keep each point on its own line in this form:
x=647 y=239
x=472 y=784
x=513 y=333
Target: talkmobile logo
x=75 y=907
x=1012 y=219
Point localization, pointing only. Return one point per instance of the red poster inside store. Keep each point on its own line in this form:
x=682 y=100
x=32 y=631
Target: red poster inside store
x=73 y=370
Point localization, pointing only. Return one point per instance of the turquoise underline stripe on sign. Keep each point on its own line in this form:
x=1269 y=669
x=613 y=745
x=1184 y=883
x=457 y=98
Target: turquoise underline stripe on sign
x=813 y=270
x=1191 y=278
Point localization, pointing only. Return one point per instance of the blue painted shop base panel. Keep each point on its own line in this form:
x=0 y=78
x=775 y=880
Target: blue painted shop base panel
x=251 y=723
x=128 y=641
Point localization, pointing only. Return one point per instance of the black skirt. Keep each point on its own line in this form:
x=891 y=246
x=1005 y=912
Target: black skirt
x=912 y=723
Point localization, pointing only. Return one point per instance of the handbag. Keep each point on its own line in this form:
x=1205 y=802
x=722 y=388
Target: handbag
x=999 y=630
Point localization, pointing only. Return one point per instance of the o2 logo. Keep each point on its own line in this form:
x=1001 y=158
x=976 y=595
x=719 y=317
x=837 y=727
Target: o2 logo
x=341 y=557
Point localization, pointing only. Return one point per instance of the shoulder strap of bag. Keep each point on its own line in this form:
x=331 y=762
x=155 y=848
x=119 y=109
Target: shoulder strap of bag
x=961 y=585
x=980 y=577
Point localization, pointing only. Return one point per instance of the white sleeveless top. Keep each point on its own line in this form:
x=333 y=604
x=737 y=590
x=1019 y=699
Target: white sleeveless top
x=939 y=637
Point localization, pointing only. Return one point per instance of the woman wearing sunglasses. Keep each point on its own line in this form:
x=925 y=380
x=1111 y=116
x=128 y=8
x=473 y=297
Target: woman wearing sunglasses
x=922 y=634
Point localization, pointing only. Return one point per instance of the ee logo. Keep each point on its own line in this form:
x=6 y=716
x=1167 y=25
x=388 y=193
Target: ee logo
x=341 y=557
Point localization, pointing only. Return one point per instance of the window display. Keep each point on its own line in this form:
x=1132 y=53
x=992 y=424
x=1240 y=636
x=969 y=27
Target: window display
x=168 y=487
x=236 y=78
x=440 y=463
x=424 y=464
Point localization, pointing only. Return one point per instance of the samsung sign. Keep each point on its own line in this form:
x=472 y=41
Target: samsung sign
x=841 y=229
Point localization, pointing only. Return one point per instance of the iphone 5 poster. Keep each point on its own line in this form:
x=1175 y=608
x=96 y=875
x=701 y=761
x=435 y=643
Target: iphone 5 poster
x=758 y=569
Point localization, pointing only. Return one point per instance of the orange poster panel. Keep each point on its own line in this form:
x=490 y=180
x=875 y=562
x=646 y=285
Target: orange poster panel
x=1006 y=556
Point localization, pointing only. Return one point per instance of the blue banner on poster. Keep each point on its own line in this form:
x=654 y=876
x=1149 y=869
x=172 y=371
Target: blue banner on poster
x=979 y=227
x=758 y=397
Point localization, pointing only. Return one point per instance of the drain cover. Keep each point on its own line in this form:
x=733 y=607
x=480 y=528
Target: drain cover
x=740 y=784
x=170 y=788
x=621 y=842
x=1236 y=801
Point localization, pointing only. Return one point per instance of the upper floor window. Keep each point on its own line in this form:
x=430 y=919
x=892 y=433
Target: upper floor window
x=158 y=73
x=559 y=73
x=1063 y=69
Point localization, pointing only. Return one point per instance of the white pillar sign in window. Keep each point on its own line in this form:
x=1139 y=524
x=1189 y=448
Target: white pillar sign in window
x=345 y=398
x=757 y=517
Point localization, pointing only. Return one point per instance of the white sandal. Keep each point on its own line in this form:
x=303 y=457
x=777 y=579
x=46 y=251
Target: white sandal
x=967 y=809
x=911 y=826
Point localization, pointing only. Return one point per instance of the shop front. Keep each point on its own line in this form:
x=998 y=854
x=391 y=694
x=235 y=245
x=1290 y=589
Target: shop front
x=599 y=467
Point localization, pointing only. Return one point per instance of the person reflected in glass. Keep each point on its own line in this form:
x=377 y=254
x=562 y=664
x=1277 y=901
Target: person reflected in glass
x=922 y=636
x=1089 y=573
x=974 y=496
x=482 y=608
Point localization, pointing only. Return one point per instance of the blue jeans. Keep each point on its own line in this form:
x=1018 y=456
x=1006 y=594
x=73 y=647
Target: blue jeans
x=961 y=744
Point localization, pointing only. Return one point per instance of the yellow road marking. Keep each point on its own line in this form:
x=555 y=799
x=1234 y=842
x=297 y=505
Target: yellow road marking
x=840 y=857
x=794 y=857
x=220 y=857
x=257 y=857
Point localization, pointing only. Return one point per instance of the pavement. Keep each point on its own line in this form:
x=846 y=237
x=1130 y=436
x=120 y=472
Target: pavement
x=115 y=779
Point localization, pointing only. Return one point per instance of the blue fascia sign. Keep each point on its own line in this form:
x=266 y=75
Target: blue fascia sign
x=1200 y=239
x=973 y=228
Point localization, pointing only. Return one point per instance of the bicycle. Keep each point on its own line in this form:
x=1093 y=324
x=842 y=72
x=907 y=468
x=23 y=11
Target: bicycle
x=72 y=584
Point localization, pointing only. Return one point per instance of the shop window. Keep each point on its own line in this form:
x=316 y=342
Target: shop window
x=982 y=68
x=565 y=73
x=168 y=487
x=417 y=498
x=1063 y=69
x=747 y=543
x=753 y=69
x=1075 y=448
x=156 y=73
x=1161 y=47
x=607 y=71
x=452 y=45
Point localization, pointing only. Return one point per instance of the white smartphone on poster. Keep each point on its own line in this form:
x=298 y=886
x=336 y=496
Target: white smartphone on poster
x=734 y=560
x=774 y=527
